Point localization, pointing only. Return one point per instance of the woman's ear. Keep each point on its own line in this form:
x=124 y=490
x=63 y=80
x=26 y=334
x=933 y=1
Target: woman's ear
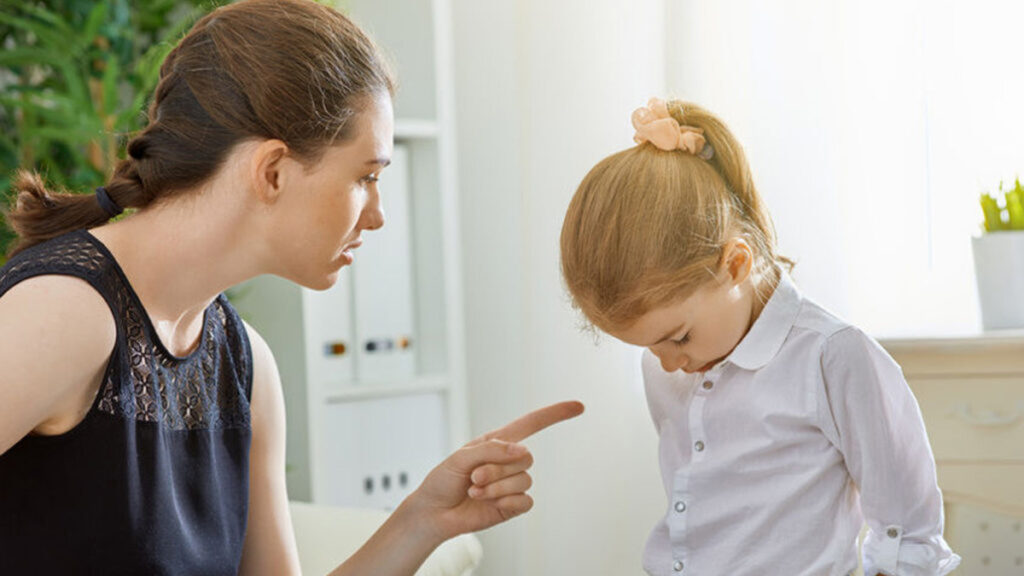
x=266 y=165
x=737 y=261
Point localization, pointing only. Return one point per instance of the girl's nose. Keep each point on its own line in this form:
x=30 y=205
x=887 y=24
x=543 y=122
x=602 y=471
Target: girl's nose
x=669 y=362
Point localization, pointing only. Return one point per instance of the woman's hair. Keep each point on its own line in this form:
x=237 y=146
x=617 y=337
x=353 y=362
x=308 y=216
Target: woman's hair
x=293 y=70
x=647 y=227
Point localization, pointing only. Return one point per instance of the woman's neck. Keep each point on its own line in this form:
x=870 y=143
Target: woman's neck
x=178 y=256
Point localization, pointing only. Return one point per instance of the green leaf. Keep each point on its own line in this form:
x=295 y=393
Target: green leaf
x=92 y=24
x=34 y=55
x=76 y=85
x=111 y=78
x=78 y=135
x=53 y=107
x=993 y=215
x=147 y=68
x=49 y=17
x=44 y=33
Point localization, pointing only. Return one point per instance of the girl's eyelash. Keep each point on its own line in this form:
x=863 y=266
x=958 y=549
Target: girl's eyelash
x=371 y=179
x=683 y=340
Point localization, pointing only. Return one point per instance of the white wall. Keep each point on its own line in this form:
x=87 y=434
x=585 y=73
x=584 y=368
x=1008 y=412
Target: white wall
x=871 y=126
x=543 y=91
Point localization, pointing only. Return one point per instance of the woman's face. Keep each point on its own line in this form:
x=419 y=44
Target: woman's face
x=323 y=210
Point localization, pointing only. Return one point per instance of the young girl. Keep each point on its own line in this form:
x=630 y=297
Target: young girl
x=782 y=428
x=141 y=420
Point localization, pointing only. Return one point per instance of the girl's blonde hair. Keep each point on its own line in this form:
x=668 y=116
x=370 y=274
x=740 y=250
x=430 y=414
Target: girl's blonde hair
x=647 y=227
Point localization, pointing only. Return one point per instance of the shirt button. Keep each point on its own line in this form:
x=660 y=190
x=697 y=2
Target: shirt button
x=892 y=533
x=708 y=384
x=680 y=506
x=698 y=446
x=678 y=566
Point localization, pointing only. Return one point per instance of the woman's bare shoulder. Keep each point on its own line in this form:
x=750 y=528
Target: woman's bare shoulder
x=56 y=336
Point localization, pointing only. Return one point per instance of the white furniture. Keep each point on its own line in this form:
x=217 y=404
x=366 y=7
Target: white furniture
x=327 y=535
x=373 y=369
x=971 y=393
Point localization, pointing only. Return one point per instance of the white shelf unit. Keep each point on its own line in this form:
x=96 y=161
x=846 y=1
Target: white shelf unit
x=365 y=426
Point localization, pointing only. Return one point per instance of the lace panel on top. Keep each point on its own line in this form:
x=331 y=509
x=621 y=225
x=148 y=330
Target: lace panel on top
x=208 y=389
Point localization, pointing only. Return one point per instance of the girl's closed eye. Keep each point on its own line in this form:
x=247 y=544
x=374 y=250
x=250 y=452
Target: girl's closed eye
x=371 y=178
x=683 y=340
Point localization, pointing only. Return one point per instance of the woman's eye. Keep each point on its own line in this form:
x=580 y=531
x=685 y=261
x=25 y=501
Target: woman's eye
x=371 y=179
x=683 y=340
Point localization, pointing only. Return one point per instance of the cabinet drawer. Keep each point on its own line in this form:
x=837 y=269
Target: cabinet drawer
x=973 y=419
x=995 y=487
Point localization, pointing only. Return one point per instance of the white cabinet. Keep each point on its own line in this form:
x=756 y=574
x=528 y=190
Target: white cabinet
x=407 y=433
x=971 y=394
x=373 y=368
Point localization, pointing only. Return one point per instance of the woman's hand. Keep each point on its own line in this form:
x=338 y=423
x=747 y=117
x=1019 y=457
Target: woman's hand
x=485 y=482
x=482 y=484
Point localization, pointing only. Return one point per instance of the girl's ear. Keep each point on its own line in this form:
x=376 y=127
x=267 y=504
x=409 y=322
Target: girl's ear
x=737 y=261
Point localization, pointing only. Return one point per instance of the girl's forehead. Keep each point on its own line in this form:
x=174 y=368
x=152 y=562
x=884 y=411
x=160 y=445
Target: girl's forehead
x=664 y=321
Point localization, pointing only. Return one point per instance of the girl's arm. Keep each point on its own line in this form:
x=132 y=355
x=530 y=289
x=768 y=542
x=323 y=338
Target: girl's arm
x=870 y=414
x=494 y=466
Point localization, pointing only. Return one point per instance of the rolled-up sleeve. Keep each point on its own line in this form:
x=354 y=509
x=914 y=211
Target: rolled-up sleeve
x=875 y=422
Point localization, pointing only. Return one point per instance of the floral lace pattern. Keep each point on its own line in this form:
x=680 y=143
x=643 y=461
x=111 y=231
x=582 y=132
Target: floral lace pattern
x=208 y=389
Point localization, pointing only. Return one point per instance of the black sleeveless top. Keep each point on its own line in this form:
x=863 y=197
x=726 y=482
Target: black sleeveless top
x=154 y=480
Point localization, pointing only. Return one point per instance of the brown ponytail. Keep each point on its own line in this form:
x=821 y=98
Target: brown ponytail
x=288 y=69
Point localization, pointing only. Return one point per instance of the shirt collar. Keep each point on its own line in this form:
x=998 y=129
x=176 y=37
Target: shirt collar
x=764 y=339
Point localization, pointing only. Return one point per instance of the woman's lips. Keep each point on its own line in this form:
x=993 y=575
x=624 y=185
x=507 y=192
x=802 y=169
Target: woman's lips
x=346 y=253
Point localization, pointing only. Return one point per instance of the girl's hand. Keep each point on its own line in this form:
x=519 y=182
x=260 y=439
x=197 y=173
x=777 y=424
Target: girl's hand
x=485 y=482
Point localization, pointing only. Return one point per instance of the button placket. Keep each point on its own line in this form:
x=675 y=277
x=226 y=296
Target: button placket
x=697 y=434
x=677 y=523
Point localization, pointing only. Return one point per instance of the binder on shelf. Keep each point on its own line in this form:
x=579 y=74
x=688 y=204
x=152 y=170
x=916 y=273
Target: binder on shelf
x=327 y=315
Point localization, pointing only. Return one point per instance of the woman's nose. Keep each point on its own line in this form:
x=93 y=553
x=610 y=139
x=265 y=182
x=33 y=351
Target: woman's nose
x=373 y=214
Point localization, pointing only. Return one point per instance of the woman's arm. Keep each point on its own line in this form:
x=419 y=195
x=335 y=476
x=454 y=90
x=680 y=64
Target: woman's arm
x=56 y=336
x=480 y=485
x=269 y=546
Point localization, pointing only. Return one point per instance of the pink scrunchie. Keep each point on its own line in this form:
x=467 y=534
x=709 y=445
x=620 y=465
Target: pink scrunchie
x=654 y=124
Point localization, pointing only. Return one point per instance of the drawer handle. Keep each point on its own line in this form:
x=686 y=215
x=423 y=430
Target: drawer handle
x=987 y=418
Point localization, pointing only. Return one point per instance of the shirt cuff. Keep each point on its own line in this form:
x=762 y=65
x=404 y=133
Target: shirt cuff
x=891 y=554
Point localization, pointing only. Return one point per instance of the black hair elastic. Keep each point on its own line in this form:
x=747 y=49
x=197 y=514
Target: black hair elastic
x=107 y=203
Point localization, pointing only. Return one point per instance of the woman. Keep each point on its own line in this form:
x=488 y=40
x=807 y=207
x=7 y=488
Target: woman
x=141 y=420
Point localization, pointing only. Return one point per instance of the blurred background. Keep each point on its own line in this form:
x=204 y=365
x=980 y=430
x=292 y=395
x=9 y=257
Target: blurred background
x=872 y=128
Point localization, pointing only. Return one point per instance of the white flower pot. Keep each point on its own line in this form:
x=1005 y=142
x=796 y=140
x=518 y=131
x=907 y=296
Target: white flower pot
x=999 y=270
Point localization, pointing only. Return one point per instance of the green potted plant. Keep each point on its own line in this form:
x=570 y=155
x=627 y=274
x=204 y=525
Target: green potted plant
x=999 y=259
x=74 y=79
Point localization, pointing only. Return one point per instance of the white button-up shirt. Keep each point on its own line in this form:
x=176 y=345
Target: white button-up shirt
x=774 y=458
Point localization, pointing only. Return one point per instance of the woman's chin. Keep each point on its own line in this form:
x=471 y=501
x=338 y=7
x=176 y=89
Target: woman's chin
x=323 y=280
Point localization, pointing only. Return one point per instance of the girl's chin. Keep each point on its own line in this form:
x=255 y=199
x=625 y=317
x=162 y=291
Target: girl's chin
x=703 y=368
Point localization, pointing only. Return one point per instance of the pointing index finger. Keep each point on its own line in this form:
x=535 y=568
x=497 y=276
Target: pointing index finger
x=529 y=424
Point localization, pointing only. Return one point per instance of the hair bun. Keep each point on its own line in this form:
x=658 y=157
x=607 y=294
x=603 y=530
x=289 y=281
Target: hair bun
x=137 y=148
